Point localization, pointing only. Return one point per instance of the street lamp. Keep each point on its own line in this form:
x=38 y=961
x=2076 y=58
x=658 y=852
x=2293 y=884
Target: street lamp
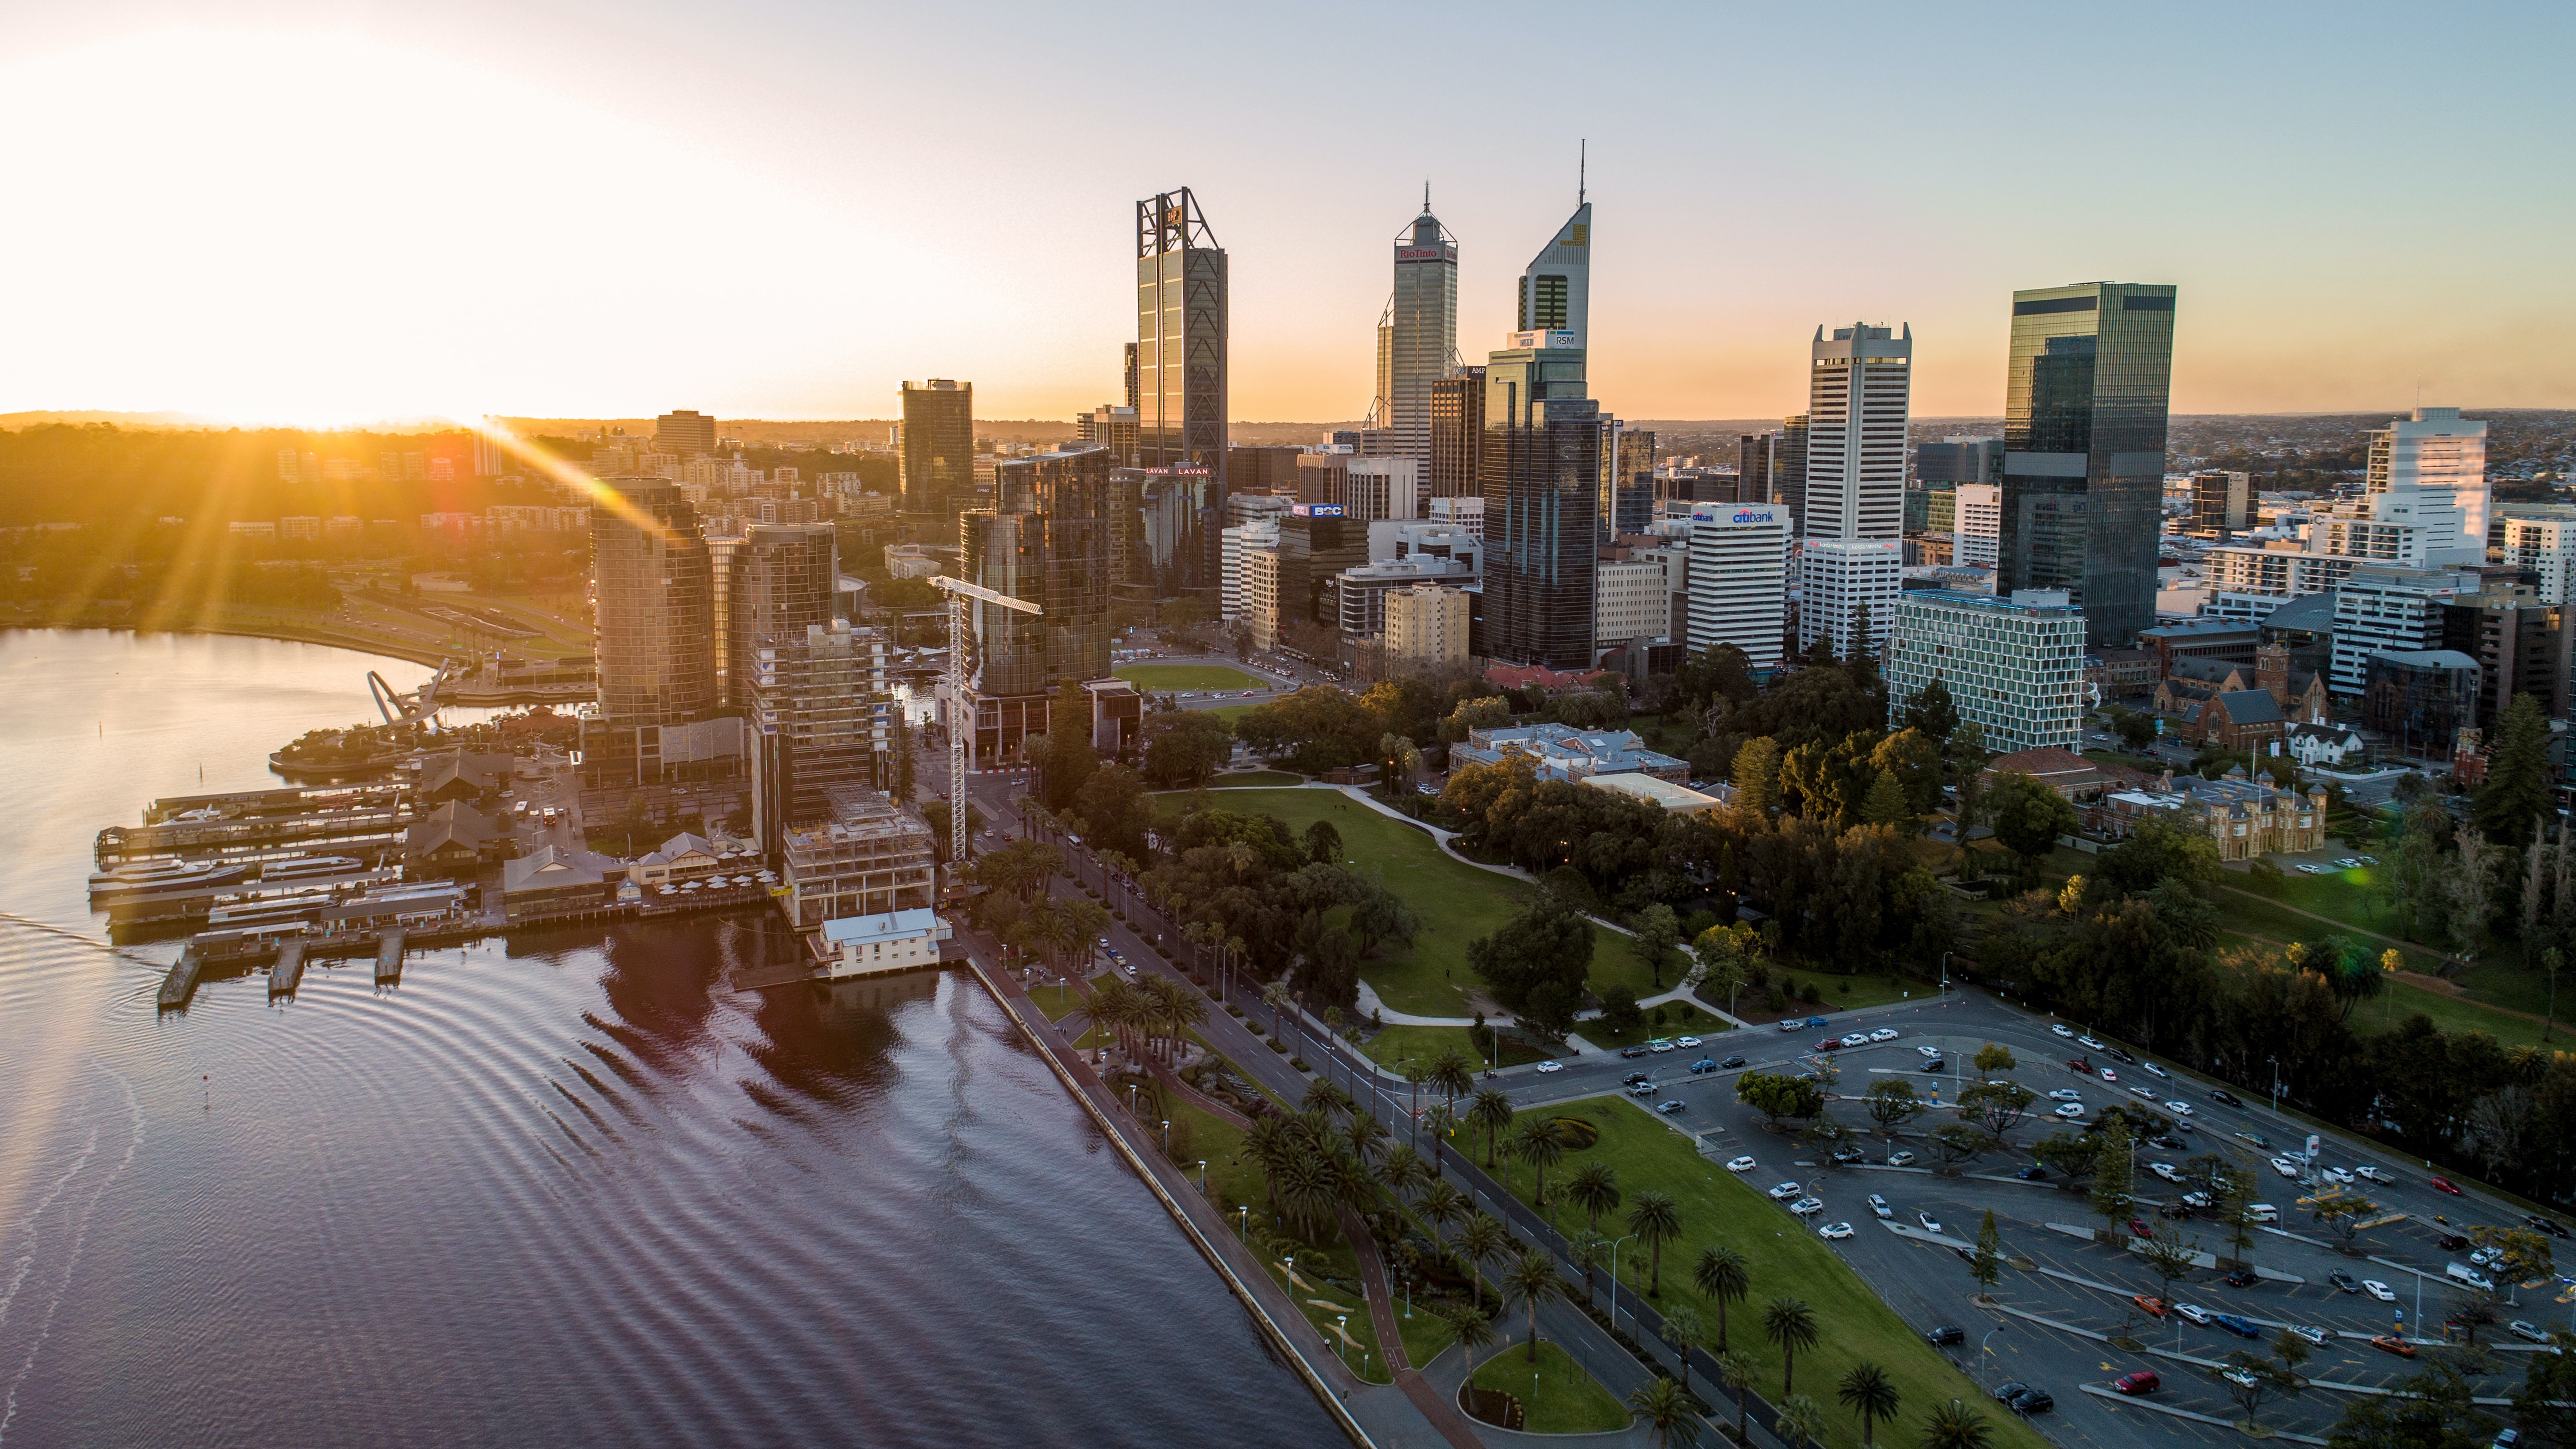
x=1614 y=1281
x=1342 y=1331
x=1167 y=1137
x=1202 y=1177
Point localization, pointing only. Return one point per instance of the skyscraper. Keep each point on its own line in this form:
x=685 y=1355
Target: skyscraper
x=938 y=447
x=1045 y=539
x=657 y=660
x=1542 y=483
x=687 y=432
x=1180 y=392
x=775 y=582
x=1556 y=288
x=2085 y=397
x=1420 y=341
x=2431 y=470
x=1628 y=479
x=1789 y=472
x=1457 y=434
x=1859 y=389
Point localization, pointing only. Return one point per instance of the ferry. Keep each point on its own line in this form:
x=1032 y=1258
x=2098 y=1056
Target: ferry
x=282 y=911
x=309 y=867
x=147 y=878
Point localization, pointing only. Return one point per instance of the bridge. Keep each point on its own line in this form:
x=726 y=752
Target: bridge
x=403 y=709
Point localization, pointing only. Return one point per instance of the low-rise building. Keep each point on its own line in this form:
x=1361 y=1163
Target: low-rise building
x=1672 y=799
x=1562 y=752
x=2322 y=744
x=2242 y=721
x=2249 y=820
x=2015 y=666
x=905 y=940
x=559 y=881
x=2069 y=774
x=452 y=840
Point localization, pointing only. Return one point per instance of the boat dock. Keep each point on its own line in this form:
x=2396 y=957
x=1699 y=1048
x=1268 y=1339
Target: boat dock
x=289 y=970
x=181 y=983
x=389 y=959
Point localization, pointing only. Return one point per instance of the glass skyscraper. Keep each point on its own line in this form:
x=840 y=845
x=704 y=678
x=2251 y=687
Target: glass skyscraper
x=1419 y=343
x=1542 y=476
x=1046 y=539
x=1180 y=390
x=656 y=605
x=938 y=455
x=2085 y=401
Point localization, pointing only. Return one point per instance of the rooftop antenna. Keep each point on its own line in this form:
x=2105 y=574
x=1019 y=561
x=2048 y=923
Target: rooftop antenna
x=1580 y=162
x=1426 y=196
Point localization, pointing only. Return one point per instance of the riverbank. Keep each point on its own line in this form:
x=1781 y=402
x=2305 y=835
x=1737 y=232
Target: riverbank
x=284 y=631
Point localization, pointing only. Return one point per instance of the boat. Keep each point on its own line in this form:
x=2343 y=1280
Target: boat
x=280 y=872
x=285 y=910
x=144 y=879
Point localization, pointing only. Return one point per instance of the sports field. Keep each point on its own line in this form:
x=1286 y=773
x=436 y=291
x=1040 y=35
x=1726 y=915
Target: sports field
x=1187 y=676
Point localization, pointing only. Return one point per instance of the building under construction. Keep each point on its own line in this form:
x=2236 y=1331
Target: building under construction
x=868 y=858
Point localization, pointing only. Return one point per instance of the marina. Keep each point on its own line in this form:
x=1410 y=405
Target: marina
x=288 y=973
x=389 y=958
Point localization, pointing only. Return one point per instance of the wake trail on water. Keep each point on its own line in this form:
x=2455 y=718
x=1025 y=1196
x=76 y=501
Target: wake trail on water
x=79 y=1214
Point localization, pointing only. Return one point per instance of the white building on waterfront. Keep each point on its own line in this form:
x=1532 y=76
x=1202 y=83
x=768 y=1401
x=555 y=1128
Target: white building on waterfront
x=2014 y=665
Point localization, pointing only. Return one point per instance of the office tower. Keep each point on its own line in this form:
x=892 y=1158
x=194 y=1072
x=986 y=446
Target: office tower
x=1260 y=604
x=1376 y=488
x=1129 y=371
x=2015 y=664
x=2519 y=638
x=938 y=460
x=1046 y=539
x=1859 y=388
x=1458 y=434
x=1978 y=526
x=1739 y=578
x=1420 y=341
x=1556 y=288
x=1232 y=544
x=817 y=697
x=2085 y=394
x=1542 y=484
x=1789 y=472
x=2380 y=609
x=1959 y=460
x=1316 y=542
x=491 y=460
x=2542 y=541
x=772 y=582
x=2221 y=502
x=1757 y=463
x=656 y=615
x=1112 y=427
x=1629 y=601
x=687 y=432
x=1323 y=477
x=1181 y=322
x=1251 y=469
x=1426 y=625
x=2431 y=470
x=1628 y=490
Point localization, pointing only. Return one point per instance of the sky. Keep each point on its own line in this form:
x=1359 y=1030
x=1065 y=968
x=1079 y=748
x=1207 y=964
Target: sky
x=318 y=213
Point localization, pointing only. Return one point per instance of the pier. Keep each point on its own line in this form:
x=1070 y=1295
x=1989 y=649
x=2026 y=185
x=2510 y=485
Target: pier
x=181 y=983
x=389 y=958
x=289 y=970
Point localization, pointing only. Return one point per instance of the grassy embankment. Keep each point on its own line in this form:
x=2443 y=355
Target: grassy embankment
x=1557 y=1396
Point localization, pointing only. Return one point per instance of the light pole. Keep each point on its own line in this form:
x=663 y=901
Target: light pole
x=1167 y=1137
x=1202 y=1177
x=1945 y=978
x=1342 y=1332
x=1614 y=1281
x=1242 y=1219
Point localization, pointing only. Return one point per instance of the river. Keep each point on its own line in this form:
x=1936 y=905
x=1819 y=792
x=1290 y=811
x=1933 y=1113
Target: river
x=575 y=1189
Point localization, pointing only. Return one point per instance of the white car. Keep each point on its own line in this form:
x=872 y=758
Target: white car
x=1807 y=1207
x=2192 y=1313
x=2061 y=1029
x=1928 y=1052
x=2378 y=1290
x=2262 y=1212
x=1660 y=1044
x=2318 y=1336
x=1856 y=1039
x=2070 y=1110
x=2151 y=1069
x=2066 y=1094
x=1686 y=1041
x=2088 y=1043
x=2109 y=1075
x=2149 y=1093
x=1742 y=1164
x=2309 y=868
x=1878 y=1207
x=2337 y=1175
x=1551 y=1066
x=2373 y=1173
x=1885 y=1033
x=1784 y=1191
x=2179 y=1109
x=1793 y=1024
x=2164 y=1170
x=1930 y=1223
x=1900 y=1159
x=2285 y=1167
x=1834 y=1231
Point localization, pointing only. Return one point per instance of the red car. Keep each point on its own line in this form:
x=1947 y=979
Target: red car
x=2144 y=1381
x=2390 y=1343
x=2138 y=1228
x=2444 y=1184
x=2154 y=1306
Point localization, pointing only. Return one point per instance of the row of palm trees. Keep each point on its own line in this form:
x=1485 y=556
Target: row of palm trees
x=1149 y=1017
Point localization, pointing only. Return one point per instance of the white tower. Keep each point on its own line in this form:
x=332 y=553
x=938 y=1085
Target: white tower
x=1859 y=395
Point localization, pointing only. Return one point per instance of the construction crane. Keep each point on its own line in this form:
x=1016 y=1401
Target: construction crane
x=960 y=732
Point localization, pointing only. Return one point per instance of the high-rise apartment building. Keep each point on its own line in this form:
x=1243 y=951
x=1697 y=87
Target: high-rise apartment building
x=1382 y=488
x=1419 y=343
x=1045 y=539
x=2014 y=664
x=1542 y=484
x=2431 y=470
x=686 y=432
x=1260 y=603
x=1233 y=544
x=1978 y=523
x=2542 y=545
x=938 y=458
x=1851 y=563
x=1628 y=484
x=1556 y=287
x=817 y=698
x=1112 y=427
x=2085 y=395
x=1426 y=625
x=1457 y=434
x=656 y=614
x=2221 y=502
x=1739 y=581
x=774 y=581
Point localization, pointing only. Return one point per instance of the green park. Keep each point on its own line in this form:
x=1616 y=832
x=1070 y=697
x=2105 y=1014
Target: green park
x=1175 y=677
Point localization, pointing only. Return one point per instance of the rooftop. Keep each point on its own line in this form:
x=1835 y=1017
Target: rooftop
x=1678 y=799
x=891 y=926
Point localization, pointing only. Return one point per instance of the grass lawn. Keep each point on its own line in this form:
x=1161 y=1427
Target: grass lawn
x=1425 y=1334
x=2399 y=999
x=1753 y=1005
x=1785 y=1261
x=1457 y=902
x=1422 y=1043
x=1186 y=676
x=1680 y=1019
x=1557 y=1396
x=1256 y=780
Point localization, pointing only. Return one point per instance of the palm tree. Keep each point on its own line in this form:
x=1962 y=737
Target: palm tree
x=1309 y=1189
x=1656 y=1220
x=1441 y=1121
x=1403 y=1171
x=1537 y=1144
x=1443 y=1206
x=1369 y=1136
x=1099 y=1013
x=1666 y=1412
x=1474 y=1330
x=1867 y=1389
x=1186 y=1011
x=1493 y=1112
x=1451 y=1076
x=1790 y=1324
x=1588 y=1257
x=1482 y=1240
x=1275 y=996
x=1322 y=1095
x=1683 y=1330
x=1724 y=1278
x=1532 y=1275
x=1594 y=1188
x=1954 y=1426
x=1801 y=1421
x=1268 y=1142
x=1736 y=1371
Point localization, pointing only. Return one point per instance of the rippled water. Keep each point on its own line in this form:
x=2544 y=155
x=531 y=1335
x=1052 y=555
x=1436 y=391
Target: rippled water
x=575 y=1190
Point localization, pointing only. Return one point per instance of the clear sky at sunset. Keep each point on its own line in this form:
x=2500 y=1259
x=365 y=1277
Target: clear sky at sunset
x=316 y=212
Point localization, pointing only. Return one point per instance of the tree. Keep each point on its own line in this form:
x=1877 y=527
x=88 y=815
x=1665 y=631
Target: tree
x=1493 y=1112
x=1684 y=1331
x=1756 y=776
x=1184 y=747
x=1988 y=1263
x=1737 y=1371
x=1993 y=1061
x=1380 y=916
x=1956 y=1142
x=1619 y=1011
x=1532 y=1275
x=1658 y=932
x=1482 y=1240
x=1665 y=1409
x=2168 y=1257
x=1723 y=955
x=2236 y=1210
x=1656 y=1220
x=1474 y=1329
x=1892 y=1103
x=2545 y=1405
x=1548 y=942
x=2028 y=816
x=2436 y=1408
x=1997 y=1106
x=1776 y=1095
x=1932 y=712
x=2111 y=1175
x=1801 y=1421
x=2515 y=795
x=1594 y=1190
x=2069 y=1154
x=1068 y=760
x=1724 y=1278
x=1954 y=1425
x=1323 y=843
x=1443 y=1206
x=1537 y=1144
x=2342 y=1214
x=1866 y=1390
x=1886 y=805
x=1790 y=1325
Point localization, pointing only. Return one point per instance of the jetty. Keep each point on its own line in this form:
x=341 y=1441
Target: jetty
x=389 y=958
x=289 y=970
x=181 y=983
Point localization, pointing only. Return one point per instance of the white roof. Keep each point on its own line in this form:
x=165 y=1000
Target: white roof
x=918 y=921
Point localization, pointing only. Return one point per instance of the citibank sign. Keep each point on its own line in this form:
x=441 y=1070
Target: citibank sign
x=1754 y=515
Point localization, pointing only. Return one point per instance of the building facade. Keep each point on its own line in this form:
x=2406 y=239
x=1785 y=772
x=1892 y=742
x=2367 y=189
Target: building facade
x=1977 y=523
x=1233 y=544
x=1426 y=625
x=1421 y=335
x=2419 y=700
x=1556 y=287
x=2431 y=470
x=2014 y=665
x=1738 y=583
x=2221 y=502
x=2388 y=611
x=821 y=715
x=774 y=581
x=1457 y=434
x=1851 y=566
x=1542 y=485
x=2085 y=401
x=1181 y=337
x=656 y=606
x=1630 y=601
x=687 y=432
x=938 y=457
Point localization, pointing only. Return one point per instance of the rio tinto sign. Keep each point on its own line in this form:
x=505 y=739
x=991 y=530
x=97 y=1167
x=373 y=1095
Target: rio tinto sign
x=1426 y=254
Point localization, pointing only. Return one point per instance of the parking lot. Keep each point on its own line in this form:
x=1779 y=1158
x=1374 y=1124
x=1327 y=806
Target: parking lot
x=2064 y=1296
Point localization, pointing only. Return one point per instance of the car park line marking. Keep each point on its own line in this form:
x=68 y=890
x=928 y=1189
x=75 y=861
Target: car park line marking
x=2150 y=1405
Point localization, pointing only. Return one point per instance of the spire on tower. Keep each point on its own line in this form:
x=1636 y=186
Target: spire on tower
x=1581 y=161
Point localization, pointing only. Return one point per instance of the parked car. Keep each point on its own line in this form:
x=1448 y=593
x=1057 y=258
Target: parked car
x=2179 y=1109
x=2144 y=1381
x=2199 y=1201
x=1792 y=1025
x=1551 y=1066
x=1660 y=1044
x=1671 y=1107
x=2312 y=1333
x=2023 y=1399
x=1943 y=1335
x=2285 y=1167
x=2262 y=1212
x=1927 y=1051
x=1636 y=1079
x=1930 y=1223
x=1878 y=1207
x=1807 y=1207
x=2527 y=1332
x=1741 y=1164
x=1885 y=1033
x=2069 y=1109
x=2467 y=1276
x=1855 y=1038
x=2151 y=1305
x=2242 y=1278
x=2061 y=1029
x=2450 y=1242
x=2391 y=1343
x=2344 y=1281
x=2227 y=1098
x=2033 y=1173
x=1815 y=1021
x=1730 y=1064
x=1828 y=1043
x=1703 y=1066
x=1784 y=1191
x=2165 y=1170
x=2339 y=1176
x=2374 y=1174
x=1843 y=1155
x=2192 y=1313
x=1835 y=1231
x=1632 y=1051
x=2066 y=1094
x=2444 y=1184
x=2139 y=1229
x=1900 y=1159
x=1643 y=1089
x=1686 y=1041
x=2147 y=1093
x=2378 y=1290
x=2548 y=1225
x=1935 y=1067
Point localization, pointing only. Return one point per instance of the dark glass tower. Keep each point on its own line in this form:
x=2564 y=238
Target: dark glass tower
x=1180 y=368
x=657 y=656
x=1458 y=434
x=2084 y=449
x=1046 y=539
x=1542 y=474
x=938 y=447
